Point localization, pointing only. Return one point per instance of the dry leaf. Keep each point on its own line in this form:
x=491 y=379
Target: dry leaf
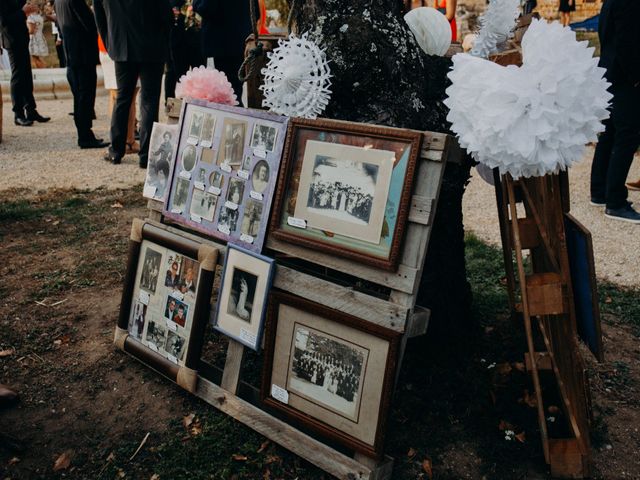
x=608 y=300
x=7 y=353
x=116 y=205
x=188 y=420
x=121 y=473
x=63 y=462
x=502 y=426
x=238 y=457
x=521 y=437
x=264 y=446
x=14 y=460
x=155 y=476
x=111 y=457
x=411 y=453
x=426 y=466
x=266 y=475
x=272 y=459
x=519 y=366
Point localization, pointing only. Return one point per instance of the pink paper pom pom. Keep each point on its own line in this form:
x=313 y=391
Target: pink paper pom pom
x=206 y=84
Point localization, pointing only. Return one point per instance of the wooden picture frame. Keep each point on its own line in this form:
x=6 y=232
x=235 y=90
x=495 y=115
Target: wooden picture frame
x=163 y=314
x=308 y=344
x=345 y=177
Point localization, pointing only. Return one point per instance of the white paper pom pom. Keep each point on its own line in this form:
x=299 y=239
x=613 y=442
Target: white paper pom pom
x=532 y=120
x=296 y=79
x=431 y=29
x=496 y=26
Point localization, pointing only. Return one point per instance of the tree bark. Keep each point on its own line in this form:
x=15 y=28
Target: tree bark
x=381 y=76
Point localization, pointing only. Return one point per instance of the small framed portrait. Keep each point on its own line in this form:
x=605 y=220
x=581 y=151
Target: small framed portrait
x=228 y=220
x=246 y=163
x=243 y=295
x=216 y=180
x=188 y=161
x=335 y=371
x=162 y=145
x=195 y=128
x=236 y=191
x=252 y=218
x=202 y=176
x=203 y=205
x=208 y=129
x=164 y=326
x=260 y=177
x=207 y=156
x=181 y=196
x=264 y=137
x=232 y=144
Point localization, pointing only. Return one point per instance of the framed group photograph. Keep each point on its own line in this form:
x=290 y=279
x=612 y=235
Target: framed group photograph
x=165 y=301
x=330 y=371
x=244 y=290
x=345 y=188
x=162 y=145
x=223 y=181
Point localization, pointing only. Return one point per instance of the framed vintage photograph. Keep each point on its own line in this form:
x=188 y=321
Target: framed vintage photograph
x=244 y=290
x=345 y=188
x=330 y=371
x=165 y=301
x=162 y=145
x=227 y=178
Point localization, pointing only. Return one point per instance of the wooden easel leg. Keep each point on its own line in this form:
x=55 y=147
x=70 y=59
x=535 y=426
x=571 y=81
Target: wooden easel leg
x=232 y=367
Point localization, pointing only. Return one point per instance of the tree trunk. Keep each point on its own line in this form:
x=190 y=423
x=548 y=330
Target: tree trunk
x=381 y=76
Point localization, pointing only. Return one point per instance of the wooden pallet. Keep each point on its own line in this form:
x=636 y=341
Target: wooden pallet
x=540 y=296
x=314 y=275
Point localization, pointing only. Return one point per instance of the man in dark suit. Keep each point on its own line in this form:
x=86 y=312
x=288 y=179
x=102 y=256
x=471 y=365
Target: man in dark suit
x=225 y=26
x=81 y=50
x=15 y=38
x=620 y=56
x=136 y=35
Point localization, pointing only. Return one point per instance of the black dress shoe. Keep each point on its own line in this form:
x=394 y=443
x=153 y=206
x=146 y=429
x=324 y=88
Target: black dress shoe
x=95 y=143
x=109 y=157
x=23 y=122
x=36 y=117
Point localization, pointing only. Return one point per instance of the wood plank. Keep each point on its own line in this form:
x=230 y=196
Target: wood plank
x=542 y=359
x=304 y=446
x=342 y=298
x=422 y=210
x=232 y=366
x=418 y=322
x=545 y=293
x=379 y=470
x=566 y=460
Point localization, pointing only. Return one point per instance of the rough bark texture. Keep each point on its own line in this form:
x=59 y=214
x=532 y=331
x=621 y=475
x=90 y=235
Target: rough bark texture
x=381 y=76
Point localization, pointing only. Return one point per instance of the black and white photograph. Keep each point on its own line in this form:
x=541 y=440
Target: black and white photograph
x=260 y=177
x=216 y=180
x=246 y=163
x=264 y=137
x=251 y=218
x=195 y=129
x=208 y=128
x=189 y=158
x=175 y=345
x=327 y=370
x=228 y=218
x=156 y=334
x=161 y=147
x=136 y=323
x=202 y=176
x=176 y=311
x=232 y=142
x=181 y=195
x=150 y=270
x=243 y=291
x=203 y=204
x=236 y=191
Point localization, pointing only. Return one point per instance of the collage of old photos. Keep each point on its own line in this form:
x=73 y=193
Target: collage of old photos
x=163 y=301
x=225 y=173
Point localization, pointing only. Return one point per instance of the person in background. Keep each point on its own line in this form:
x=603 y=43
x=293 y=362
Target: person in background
x=225 y=27
x=136 y=36
x=448 y=9
x=15 y=38
x=619 y=37
x=38 y=48
x=81 y=50
x=50 y=14
x=565 y=8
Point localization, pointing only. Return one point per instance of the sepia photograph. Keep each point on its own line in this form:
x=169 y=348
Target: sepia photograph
x=260 y=176
x=161 y=147
x=327 y=370
x=216 y=180
x=195 y=129
x=203 y=204
x=236 y=190
x=228 y=218
x=208 y=128
x=136 y=323
x=232 y=142
x=264 y=137
x=181 y=195
x=202 y=176
x=251 y=218
x=207 y=155
x=189 y=158
x=150 y=270
x=246 y=163
x=243 y=290
x=156 y=333
x=176 y=311
x=175 y=345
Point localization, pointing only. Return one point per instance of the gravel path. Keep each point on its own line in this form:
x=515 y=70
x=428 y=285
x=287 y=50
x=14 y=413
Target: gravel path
x=615 y=243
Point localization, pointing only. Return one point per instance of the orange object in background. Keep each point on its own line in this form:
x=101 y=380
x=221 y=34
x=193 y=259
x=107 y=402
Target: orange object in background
x=101 y=46
x=262 y=23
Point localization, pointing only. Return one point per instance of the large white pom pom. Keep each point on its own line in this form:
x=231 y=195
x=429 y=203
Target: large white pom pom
x=496 y=26
x=431 y=29
x=296 y=79
x=532 y=120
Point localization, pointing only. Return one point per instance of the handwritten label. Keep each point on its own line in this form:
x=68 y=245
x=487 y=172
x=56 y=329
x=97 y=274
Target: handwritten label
x=256 y=195
x=152 y=346
x=198 y=185
x=192 y=140
x=171 y=358
x=225 y=167
x=177 y=294
x=149 y=191
x=206 y=143
x=214 y=190
x=231 y=205
x=243 y=174
x=260 y=152
x=297 y=222
x=196 y=218
x=248 y=337
x=279 y=394
x=172 y=326
x=224 y=229
x=176 y=210
x=186 y=175
x=144 y=297
x=246 y=238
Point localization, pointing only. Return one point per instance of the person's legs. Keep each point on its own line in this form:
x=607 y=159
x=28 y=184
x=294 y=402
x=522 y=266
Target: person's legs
x=600 y=165
x=126 y=77
x=17 y=45
x=131 y=129
x=151 y=83
x=83 y=114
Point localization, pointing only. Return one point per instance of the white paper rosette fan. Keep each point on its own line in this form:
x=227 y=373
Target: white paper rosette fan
x=496 y=26
x=297 y=78
x=535 y=119
x=431 y=29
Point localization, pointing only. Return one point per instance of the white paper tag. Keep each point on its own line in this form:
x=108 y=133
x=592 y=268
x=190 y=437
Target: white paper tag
x=214 y=190
x=206 y=143
x=225 y=167
x=231 y=205
x=297 y=222
x=186 y=175
x=198 y=185
x=224 y=229
x=152 y=346
x=144 y=297
x=280 y=394
x=149 y=191
x=196 y=218
x=172 y=326
x=246 y=238
x=248 y=337
x=243 y=174
x=176 y=210
x=256 y=195
x=177 y=294
x=192 y=140
x=260 y=152
x=171 y=358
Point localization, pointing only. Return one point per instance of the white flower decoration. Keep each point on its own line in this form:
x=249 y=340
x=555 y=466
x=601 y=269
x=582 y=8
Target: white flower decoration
x=297 y=78
x=496 y=26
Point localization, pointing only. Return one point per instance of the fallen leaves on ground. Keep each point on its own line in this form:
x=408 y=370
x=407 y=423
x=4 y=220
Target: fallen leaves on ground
x=14 y=460
x=411 y=453
x=521 y=437
x=63 y=461
x=7 y=353
x=239 y=457
x=192 y=424
x=428 y=468
x=117 y=205
x=264 y=446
